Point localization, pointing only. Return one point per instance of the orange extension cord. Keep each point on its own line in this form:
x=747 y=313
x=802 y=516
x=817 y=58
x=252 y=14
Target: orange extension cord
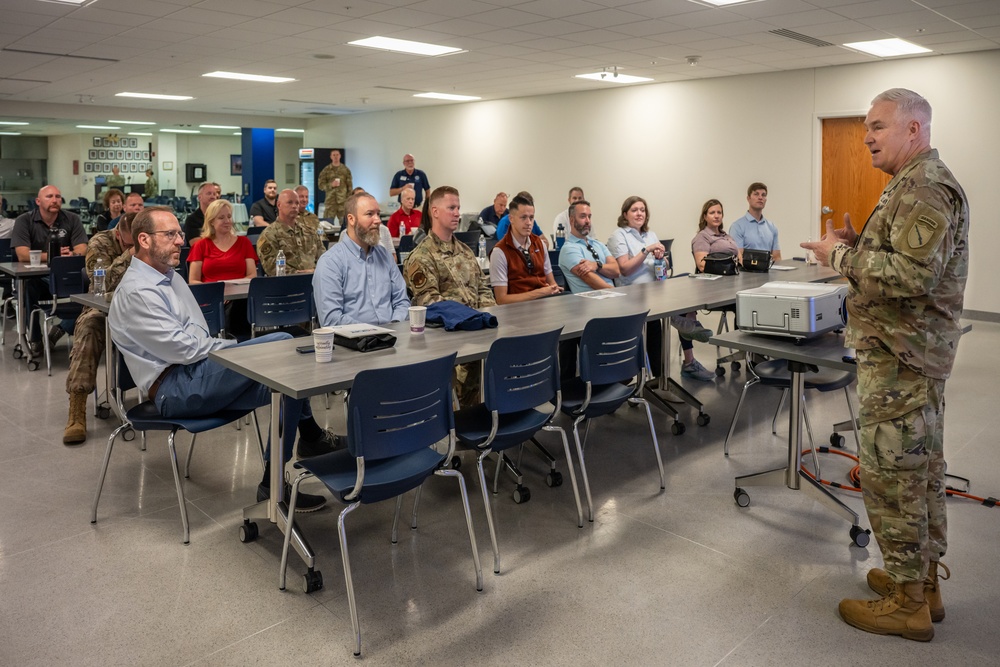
x=855 y=477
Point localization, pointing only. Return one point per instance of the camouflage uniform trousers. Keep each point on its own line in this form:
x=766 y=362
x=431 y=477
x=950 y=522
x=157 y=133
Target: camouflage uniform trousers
x=902 y=462
x=88 y=347
x=467 y=381
x=335 y=208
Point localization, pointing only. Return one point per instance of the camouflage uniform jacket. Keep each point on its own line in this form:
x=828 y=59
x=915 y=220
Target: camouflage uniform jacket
x=326 y=178
x=104 y=246
x=438 y=271
x=151 y=189
x=300 y=244
x=117 y=271
x=908 y=268
x=116 y=181
x=309 y=220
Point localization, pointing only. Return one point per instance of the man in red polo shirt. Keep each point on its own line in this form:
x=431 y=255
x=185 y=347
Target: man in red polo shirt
x=406 y=218
x=520 y=269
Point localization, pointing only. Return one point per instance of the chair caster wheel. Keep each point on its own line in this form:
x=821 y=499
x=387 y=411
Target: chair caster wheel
x=837 y=440
x=128 y=435
x=18 y=353
x=522 y=494
x=735 y=366
x=248 y=531
x=742 y=497
x=455 y=463
x=32 y=365
x=312 y=581
x=703 y=419
x=860 y=536
x=720 y=371
x=677 y=428
x=554 y=479
x=103 y=412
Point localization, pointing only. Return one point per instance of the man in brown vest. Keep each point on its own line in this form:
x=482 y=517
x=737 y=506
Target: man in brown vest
x=520 y=269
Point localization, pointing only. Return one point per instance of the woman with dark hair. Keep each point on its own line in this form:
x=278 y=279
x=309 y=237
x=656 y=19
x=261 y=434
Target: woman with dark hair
x=114 y=204
x=711 y=236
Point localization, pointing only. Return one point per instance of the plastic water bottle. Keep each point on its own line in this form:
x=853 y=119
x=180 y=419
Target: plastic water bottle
x=279 y=263
x=660 y=268
x=811 y=254
x=482 y=248
x=560 y=236
x=99 y=278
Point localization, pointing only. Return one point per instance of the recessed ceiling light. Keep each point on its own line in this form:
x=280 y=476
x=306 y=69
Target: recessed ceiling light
x=220 y=127
x=140 y=134
x=132 y=122
x=99 y=127
x=613 y=77
x=448 y=96
x=12 y=122
x=155 y=96
x=249 y=77
x=405 y=46
x=887 y=48
x=167 y=129
x=722 y=3
x=11 y=134
x=288 y=129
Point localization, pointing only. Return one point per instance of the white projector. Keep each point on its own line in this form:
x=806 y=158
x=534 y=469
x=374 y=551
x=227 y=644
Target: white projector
x=797 y=310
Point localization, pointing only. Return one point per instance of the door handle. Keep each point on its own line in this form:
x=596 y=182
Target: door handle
x=826 y=210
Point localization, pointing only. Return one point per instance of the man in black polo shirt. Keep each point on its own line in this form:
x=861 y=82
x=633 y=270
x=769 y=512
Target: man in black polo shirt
x=207 y=194
x=265 y=211
x=35 y=230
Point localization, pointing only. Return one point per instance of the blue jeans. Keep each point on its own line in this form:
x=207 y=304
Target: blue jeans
x=204 y=388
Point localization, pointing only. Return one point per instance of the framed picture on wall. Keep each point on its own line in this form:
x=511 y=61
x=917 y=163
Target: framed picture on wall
x=97 y=142
x=134 y=167
x=102 y=155
x=92 y=154
x=145 y=155
x=135 y=142
x=128 y=155
x=106 y=168
x=120 y=155
x=106 y=142
x=88 y=167
x=236 y=165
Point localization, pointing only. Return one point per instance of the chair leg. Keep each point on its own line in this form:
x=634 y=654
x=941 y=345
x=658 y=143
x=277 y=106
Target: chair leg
x=736 y=415
x=393 y=536
x=652 y=435
x=260 y=441
x=187 y=462
x=812 y=442
x=104 y=469
x=289 y=528
x=448 y=472
x=489 y=510
x=496 y=473
x=572 y=471
x=583 y=470
x=854 y=420
x=416 y=502
x=781 y=404
x=45 y=341
x=177 y=483
x=348 y=581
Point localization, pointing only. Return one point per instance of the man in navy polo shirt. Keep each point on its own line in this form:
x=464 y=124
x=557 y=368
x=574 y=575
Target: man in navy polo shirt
x=410 y=178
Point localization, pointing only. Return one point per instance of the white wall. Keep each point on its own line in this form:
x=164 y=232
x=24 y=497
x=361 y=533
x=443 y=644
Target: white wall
x=678 y=144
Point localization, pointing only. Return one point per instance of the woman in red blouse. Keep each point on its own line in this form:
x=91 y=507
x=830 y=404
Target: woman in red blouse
x=220 y=254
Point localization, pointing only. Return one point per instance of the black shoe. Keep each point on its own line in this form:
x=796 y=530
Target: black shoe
x=328 y=442
x=55 y=333
x=306 y=501
x=35 y=349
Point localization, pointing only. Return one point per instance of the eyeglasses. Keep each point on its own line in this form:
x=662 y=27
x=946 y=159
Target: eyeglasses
x=527 y=260
x=171 y=234
x=593 y=253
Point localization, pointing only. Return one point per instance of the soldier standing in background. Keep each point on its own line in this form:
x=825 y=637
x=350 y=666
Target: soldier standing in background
x=152 y=187
x=907 y=272
x=336 y=180
x=115 y=180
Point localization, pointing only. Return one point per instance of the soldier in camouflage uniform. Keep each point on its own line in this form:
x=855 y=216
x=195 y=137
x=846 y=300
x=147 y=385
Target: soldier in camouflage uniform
x=113 y=248
x=907 y=272
x=336 y=180
x=305 y=217
x=152 y=188
x=442 y=268
x=300 y=243
x=115 y=180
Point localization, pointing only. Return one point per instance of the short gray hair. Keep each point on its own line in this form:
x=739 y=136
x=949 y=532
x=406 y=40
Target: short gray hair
x=908 y=105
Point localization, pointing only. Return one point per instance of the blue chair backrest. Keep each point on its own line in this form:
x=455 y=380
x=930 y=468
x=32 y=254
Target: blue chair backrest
x=6 y=254
x=522 y=372
x=470 y=239
x=611 y=349
x=65 y=277
x=254 y=232
x=395 y=411
x=405 y=243
x=211 y=298
x=280 y=301
x=182 y=268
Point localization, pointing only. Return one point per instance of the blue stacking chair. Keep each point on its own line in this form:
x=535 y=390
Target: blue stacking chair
x=211 y=299
x=182 y=267
x=612 y=372
x=66 y=278
x=145 y=417
x=6 y=255
x=394 y=417
x=521 y=374
x=405 y=243
x=280 y=301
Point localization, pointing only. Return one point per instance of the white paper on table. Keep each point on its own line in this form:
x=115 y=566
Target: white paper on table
x=600 y=294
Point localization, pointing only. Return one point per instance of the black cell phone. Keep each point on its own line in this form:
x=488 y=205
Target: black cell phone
x=305 y=349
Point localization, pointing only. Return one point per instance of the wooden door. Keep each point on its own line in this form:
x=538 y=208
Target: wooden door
x=850 y=183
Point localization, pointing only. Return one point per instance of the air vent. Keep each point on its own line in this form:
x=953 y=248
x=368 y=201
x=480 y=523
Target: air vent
x=795 y=313
x=799 y=37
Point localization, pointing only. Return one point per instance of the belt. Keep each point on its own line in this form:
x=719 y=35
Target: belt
x=153 y=388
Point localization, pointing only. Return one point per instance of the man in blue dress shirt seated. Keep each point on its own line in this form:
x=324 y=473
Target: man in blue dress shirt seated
x=586 y=263
x=162 y=334
x=753 y=230
x=356 y=280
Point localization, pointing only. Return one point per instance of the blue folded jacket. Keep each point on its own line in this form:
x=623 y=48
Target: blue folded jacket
x=455 y=316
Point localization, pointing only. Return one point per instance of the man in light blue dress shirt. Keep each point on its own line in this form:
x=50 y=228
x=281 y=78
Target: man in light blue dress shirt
x=356 y=280
x=586 y=263
x=753 y=230
x=162 y=335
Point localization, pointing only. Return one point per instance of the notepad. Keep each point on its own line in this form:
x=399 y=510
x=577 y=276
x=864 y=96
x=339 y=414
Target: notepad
x=360 y=330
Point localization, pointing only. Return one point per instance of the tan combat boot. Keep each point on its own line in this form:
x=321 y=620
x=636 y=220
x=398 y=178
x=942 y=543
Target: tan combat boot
x=76 y=427
x=879 y=580
x=902 y=611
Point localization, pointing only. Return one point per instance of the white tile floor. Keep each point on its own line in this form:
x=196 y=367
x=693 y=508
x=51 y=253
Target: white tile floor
x=679 y=577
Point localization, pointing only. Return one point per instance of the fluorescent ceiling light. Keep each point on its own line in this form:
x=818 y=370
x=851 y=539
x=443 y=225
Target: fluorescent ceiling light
x=75 y=3
x=249 y=77
x=99 y=127
x=448 y=96
x=405 y=46
x=140 y=134
x=237 y=134
x=722 y=3
x=11 y=134
x=132 y=122
x=155 y=96
x=173 y=131
x=613 y=77
x=887 y=48
x=220 y=127
x=288 y=129
x=12 y=122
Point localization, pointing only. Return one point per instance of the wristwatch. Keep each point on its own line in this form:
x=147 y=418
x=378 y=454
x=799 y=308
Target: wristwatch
x=599 y=265
x=645 y=250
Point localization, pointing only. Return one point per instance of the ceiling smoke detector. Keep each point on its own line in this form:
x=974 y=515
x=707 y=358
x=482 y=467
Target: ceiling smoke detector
x=692 y=60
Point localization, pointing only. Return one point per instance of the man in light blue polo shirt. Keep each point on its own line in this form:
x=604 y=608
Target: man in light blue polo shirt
x=586 y=263
x=356 y=280
x=753 y=230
